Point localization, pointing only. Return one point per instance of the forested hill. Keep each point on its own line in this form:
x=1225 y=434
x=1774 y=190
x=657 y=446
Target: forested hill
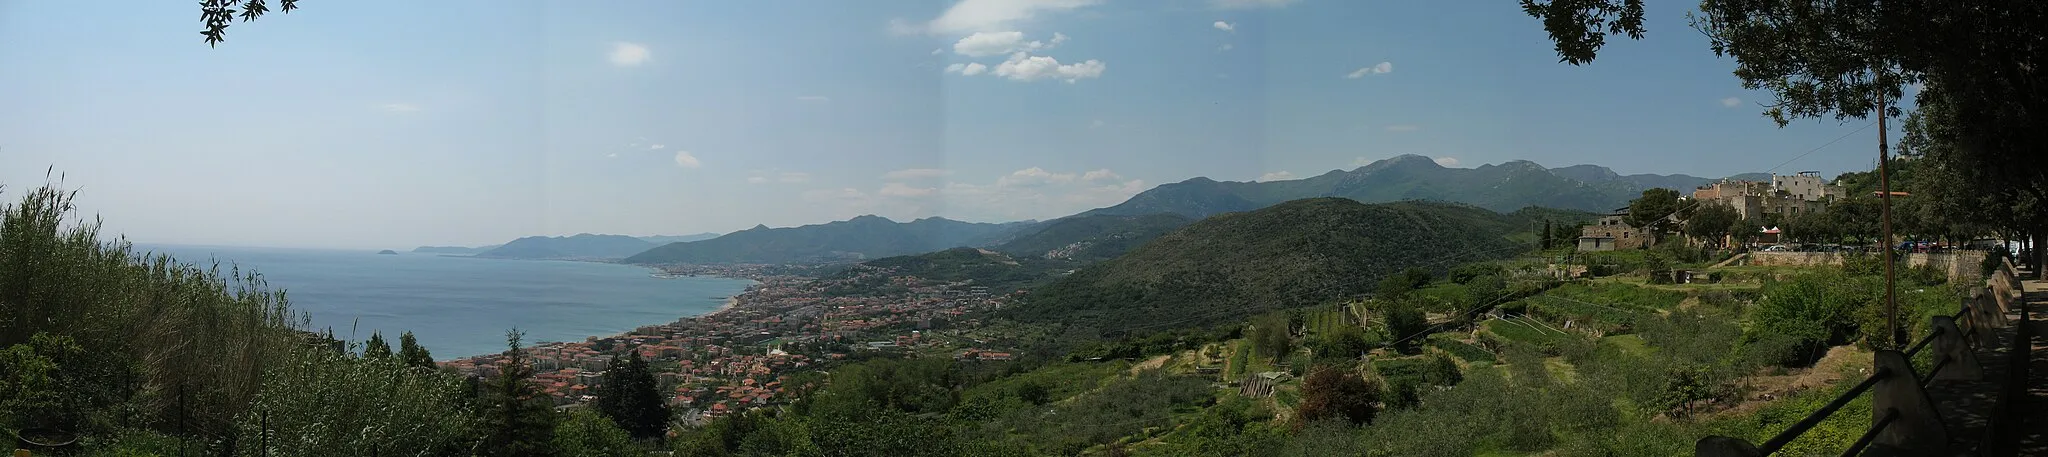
x=1228 y=267
x=864 y=237
x=1093 y=238
x=1499 y=187
x=999 y=272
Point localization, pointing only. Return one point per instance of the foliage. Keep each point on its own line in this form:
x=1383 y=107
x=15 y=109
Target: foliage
x=1291 y=255
x=1397 y=286
x=218 y=14
x=517 y=419
x=1462 y=350
x=1331 y=393
x=412 y=354
x=1093 y=238
x=167 y=331
x=376 y=348
x=1405 y=324
x=1653 y=210
x=583 y=433
x=321 y=403
x=1713 y=221
x=1818 y=310
x=1271 y=338
x=630 y=397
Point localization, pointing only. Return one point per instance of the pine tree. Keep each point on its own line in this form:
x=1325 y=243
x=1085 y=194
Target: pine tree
x=518 y=420
x=412 y=354
x=631 y=397
x=376 y=348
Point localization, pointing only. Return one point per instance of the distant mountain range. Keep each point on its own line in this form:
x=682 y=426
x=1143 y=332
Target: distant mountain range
x=1504 y=187
x=1105 y=233
x=1297 y=253
x=864 y=237
x=579 y=246
x=663 y=239
x=1091 y=238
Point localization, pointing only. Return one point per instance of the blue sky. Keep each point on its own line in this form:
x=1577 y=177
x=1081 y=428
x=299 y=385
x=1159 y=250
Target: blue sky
x=374 y=124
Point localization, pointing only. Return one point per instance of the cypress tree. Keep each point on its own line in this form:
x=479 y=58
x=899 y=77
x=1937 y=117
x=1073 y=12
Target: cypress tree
x=376 y=348
x=518 y=420
x=630 y=397
x=412 y=354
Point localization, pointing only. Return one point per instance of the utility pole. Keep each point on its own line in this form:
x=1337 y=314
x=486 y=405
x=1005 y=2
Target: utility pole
x=1884 y=186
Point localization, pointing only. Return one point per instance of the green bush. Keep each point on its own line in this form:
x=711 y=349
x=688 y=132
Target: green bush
x=323 y=403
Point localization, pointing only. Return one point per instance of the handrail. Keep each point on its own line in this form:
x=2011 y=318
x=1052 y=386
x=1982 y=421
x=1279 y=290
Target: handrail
x=2003 y=436
x=1799 y=428
x=1964 y=318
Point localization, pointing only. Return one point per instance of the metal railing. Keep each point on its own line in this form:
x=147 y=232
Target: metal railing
x=1904 y=417
x=2003 y=436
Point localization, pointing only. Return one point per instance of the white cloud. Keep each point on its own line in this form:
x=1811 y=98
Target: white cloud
x=813 y=98
x=1447 y=161
x=794 y=177
x=983 y=44
x=1379 y=69
x=1276 y=176
x=685 y=160
x=1224 y=26
x=1096 y=124
x=1403 y=128
x=989 y=15
x=901 y=190
x=1101 y=175
x=1224 y=47
x=1731 y=102
x=400 y=107
x=1026 y=67
x=626 y=54
x=1033 y=177
x=916 y=173
x=898 y=26
x=937 y=51
x=968 y=69
x=657 y=147
x=612 y=155
x=1249 y=4
x=757 y=180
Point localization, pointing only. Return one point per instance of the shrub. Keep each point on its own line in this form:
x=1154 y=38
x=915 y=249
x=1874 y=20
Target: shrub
x=1331 y=393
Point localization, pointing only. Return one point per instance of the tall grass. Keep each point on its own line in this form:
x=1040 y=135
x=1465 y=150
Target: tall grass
x=193 y=339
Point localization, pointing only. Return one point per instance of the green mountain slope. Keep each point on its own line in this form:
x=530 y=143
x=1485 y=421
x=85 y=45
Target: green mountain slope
x=658 y=240
x=1503 y=187
x=581 y=245
x=1297 y=253
x=864 y=237
x=1001 y=273
x=1093 y=238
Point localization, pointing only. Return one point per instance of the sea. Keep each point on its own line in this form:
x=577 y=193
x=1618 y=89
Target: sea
x=463 y=306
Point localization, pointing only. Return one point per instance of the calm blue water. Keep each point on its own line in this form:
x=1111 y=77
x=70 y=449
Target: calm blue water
x=463 y=306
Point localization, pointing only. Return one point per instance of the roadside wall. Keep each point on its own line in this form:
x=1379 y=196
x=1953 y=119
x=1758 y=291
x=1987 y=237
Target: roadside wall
x=1959 y=265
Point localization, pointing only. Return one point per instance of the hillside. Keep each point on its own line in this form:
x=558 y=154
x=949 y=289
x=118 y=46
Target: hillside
x=579 y=246
x=658 y=240
x=999 y=272
x=864 y=237
x=1293 y=254
x=1093 y=238
x=1502 y=187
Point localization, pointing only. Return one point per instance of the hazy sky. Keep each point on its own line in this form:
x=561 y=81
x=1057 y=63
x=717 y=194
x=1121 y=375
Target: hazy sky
x=374 y=124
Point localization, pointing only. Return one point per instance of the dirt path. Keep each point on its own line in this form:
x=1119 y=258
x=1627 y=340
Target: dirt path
x=1840 y=362
x=1150 y=364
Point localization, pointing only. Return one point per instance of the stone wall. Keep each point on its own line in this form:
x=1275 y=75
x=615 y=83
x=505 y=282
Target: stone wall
x=1959 y=265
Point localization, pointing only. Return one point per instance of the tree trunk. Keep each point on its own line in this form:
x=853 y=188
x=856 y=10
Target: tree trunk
x=2040 y=233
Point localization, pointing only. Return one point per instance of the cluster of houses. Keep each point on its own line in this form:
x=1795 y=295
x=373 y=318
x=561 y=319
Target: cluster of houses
x=738 y=358
x=1788 y=195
